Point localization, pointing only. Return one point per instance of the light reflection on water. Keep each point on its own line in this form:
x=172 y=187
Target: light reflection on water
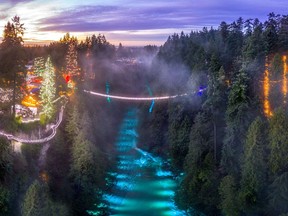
x=141 y=185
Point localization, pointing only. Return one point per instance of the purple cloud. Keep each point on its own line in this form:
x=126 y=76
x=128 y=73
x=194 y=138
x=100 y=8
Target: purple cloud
x=14 y=2
x=182 y=14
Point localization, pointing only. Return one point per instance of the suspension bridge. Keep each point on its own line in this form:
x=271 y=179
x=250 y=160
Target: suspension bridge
x=107 y=96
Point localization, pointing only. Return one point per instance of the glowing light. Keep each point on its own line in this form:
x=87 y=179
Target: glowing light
x=124 y=185
x=201 y=90
x=107 y=91
x=122 y=176
x=135 y=98
x=146 y=154
x=285 y=74
x=266 y=91
x=29 y=101
x=141 y=186
x=169 y=193
x=30 y=120
x=151 y=106
x=42 y=140
x=162 y=173
x=67 y=78
x=153 y=101
x=44 y=176
x=48 y=89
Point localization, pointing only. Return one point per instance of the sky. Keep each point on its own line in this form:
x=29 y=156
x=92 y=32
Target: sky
x=131 y=22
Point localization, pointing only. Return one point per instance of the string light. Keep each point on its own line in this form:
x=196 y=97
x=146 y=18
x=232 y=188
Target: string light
x=42 y=140
x=266 y=91
x=48 y=89
x=136 y=98
x=285 y=73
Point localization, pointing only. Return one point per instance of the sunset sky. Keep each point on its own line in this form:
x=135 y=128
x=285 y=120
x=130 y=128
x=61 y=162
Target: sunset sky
x=132 y=22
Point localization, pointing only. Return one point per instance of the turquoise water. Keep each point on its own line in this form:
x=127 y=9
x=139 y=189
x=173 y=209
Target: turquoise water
x=142 y=185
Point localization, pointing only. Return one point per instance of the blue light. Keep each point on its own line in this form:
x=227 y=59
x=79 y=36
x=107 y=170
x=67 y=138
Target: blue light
x=124 y=185
x=201 y=90
x=151 y=106
x=153 y=101
x=140 y=184
x=162 y=173
x=107 y=91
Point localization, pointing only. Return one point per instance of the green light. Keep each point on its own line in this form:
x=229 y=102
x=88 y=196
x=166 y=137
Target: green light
x=168 y=193
x=141 y=184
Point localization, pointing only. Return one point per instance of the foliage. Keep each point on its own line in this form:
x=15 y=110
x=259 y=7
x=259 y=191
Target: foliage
x=228 y=192
x=254 y=168
x=4 y=200
x=12 y=58
x=232 y=57
x=201 y=177
x=39 y=66
x=37 y=202
x=231 y=167
x=278 y=142
x=48 y=90
x=71 y=60
x=279 y=194
x=178 y=134
x=5 y=158
x=237 y=122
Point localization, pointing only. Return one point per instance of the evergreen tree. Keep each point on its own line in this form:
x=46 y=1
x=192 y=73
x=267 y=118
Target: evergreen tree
x=216 y=104
x=39 y=66
x=283 y=32
x=278 y=142
x=71 y=60
x=276 y=74
x=72 y=126
x=158 y=128
x=38 y=203
x=178 y=135
x=5 y=158
x=86 y=172
x=271 y=33
x=237 y=118
x=201 y=176
x=254 y=169
x=229 y=196
x=4 y=200
x=254 y=44
x=48 y=90
x=278 y=196
x=11 y=59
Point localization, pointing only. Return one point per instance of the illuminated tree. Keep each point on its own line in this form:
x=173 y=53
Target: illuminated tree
x=39 y=66
x=48 y=90
x=71 y=60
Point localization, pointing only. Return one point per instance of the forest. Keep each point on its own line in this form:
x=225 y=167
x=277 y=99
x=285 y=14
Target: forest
x=228 y=145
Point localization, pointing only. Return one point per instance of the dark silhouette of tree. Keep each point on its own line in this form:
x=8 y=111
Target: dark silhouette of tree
x=12 y=56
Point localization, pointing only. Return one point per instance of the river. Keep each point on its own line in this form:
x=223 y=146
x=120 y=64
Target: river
x=142 y=185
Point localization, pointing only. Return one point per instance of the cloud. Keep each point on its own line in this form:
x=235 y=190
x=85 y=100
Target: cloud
x=14 y=2
x=139 y=19
x=181 y=14
x=18 y=1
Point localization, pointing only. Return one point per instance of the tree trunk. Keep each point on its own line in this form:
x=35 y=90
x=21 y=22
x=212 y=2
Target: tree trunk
x=14 y=95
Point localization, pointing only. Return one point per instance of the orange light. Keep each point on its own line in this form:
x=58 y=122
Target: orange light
x=285 y=73
x=266 y=91
x=44 y=176
x=29 y=101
